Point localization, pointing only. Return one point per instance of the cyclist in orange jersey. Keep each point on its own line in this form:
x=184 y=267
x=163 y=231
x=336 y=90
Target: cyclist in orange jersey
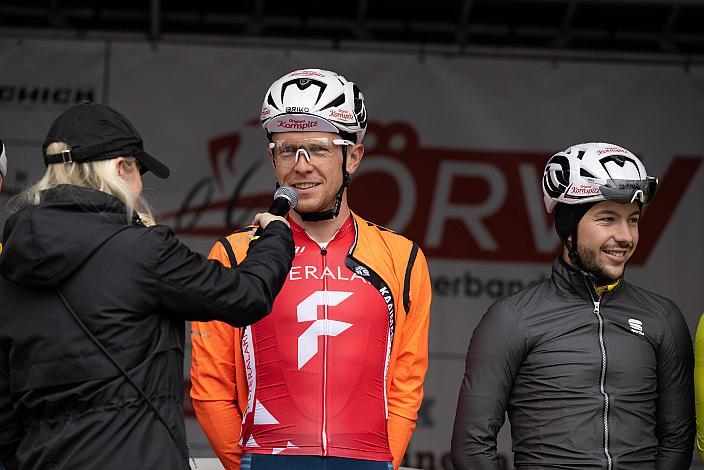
x=333 y=378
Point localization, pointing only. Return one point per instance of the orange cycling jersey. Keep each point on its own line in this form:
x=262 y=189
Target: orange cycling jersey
x=337 y=367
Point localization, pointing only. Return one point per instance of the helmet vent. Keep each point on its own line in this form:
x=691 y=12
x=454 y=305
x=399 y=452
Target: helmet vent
x=585 y=173
x=270 y=101
x=620 y=160
x=339 y=101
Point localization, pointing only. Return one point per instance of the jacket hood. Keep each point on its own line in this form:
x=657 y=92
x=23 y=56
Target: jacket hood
x=45 y=244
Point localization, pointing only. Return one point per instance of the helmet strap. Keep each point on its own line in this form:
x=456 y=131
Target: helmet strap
x=335 y=211
x=572 y=252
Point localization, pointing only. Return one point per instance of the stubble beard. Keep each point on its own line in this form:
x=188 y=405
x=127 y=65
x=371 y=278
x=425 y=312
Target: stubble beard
x=590 y=260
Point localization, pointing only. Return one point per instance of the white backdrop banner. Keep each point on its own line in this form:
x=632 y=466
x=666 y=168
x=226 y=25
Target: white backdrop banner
x=454 y=154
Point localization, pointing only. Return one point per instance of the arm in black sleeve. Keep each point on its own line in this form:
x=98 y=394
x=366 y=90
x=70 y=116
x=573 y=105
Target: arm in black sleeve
x=675 y=426
x=196 y=288
x=494 y=357
x=10 y=430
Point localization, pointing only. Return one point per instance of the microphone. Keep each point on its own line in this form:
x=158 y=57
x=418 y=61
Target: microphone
x=285 y=199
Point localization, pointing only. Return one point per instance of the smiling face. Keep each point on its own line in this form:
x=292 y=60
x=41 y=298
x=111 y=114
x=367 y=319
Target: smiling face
x=317 y=178
x=607 y=237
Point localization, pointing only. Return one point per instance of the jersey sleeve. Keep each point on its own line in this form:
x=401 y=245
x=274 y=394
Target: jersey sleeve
x=494 y=357
x=675 y=427
x=699 y=385
x=214 y=387
x=406 y=391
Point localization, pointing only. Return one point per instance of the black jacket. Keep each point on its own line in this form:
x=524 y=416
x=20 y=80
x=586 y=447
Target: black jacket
x=587 y=384
x=63 y=405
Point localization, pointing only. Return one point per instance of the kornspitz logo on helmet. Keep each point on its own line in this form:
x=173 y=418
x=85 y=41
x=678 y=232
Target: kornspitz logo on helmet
x=300 y=122
x=307 y=73
x=297 y=124
x=611 y=150
x=341 y=114
x=584 y=189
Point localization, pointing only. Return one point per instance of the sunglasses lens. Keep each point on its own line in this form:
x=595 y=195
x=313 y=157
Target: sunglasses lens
x=625 y=191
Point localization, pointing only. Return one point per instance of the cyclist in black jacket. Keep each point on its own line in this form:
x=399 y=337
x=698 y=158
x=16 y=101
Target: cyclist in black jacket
x=594 y=372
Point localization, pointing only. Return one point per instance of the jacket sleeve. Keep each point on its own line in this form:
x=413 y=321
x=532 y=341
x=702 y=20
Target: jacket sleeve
x=11 y=432
x=214 y=382
x=214 y=389
x=199 y=289
x=406 y=391
x=494 y=357
x=699 y=385
x=675 y=427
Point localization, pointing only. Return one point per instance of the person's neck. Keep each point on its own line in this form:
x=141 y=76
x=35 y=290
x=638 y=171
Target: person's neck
x=323 y=230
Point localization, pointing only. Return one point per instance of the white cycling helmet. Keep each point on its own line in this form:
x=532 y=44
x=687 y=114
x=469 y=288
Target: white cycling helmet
x=315 y=100
x=595 y=172
x=3 y=160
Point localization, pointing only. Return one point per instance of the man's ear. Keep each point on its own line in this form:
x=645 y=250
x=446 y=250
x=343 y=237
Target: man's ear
x=354 y=158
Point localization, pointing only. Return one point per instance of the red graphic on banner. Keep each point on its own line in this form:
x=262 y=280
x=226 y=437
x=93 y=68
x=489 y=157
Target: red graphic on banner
x=457 y=203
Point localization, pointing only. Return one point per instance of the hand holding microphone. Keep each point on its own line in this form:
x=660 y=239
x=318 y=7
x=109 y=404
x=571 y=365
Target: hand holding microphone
x=262 y=219
x=285 y=199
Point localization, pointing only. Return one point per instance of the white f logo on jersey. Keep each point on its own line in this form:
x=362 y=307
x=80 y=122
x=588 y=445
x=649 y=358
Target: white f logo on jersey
x=308 y=311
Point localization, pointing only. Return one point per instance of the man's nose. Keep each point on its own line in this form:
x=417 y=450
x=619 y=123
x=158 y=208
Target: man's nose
x=624 y=232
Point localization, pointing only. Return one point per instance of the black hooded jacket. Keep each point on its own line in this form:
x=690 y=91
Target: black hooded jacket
x=588 y=382
x=63 y=405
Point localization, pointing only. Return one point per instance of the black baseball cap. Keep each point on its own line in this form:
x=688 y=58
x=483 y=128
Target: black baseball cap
x=97 y=132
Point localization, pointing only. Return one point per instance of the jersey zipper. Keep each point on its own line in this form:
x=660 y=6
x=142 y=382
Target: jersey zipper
x=596 y=300
x=602 y=382
x=324 y=434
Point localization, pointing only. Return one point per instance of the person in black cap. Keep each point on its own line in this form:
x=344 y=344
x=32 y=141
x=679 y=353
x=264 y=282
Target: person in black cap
x=94 y=303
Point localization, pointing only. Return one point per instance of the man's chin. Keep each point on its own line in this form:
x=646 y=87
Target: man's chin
x=307 y=208
x=603 y=273
x=609 y=276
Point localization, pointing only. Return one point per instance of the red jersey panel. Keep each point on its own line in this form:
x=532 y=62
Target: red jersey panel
x=316 y=365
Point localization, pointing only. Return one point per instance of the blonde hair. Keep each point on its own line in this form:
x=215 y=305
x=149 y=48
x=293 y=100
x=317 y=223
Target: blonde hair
x=101 y=175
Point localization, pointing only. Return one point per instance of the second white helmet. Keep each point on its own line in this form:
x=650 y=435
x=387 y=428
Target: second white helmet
x=314 y=100
x=3 y=160
x=595 y=172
